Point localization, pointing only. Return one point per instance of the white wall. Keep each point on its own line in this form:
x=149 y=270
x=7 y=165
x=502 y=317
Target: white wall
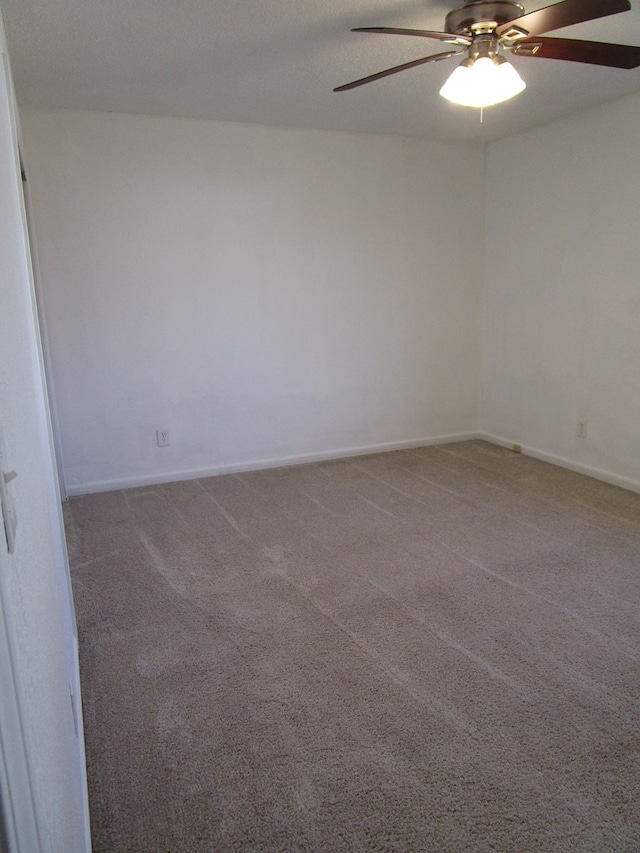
x=562 y=296
x=271 y=294
x=265 y=294
x=42 y=779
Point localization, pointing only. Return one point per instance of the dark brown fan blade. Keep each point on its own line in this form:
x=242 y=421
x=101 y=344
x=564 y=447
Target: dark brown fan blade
x=435 y=57
x=574 y=50
x=563 y=14
x=452 y=38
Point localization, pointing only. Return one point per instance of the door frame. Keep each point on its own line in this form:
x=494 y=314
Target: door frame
x=42 y=323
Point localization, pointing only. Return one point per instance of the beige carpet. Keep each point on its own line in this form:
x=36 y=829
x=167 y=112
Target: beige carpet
x=429 y=650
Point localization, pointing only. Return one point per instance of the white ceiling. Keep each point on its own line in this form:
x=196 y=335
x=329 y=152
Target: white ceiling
x=277 y=63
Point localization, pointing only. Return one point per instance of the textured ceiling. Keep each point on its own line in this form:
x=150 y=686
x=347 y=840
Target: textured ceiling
x=277 y=63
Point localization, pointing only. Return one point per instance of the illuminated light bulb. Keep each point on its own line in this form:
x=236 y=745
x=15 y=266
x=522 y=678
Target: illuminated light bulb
x=482 y=82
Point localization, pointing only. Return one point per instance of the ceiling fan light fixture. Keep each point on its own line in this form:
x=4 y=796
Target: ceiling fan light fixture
x=482 y=82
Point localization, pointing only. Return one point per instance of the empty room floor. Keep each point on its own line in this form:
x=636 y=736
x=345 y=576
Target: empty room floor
x=424 y=650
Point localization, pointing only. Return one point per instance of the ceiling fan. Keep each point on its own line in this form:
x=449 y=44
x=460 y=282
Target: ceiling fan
x=486 y=29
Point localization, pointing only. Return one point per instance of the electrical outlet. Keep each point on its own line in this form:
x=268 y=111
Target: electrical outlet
x=163 y=438
x=581 y=429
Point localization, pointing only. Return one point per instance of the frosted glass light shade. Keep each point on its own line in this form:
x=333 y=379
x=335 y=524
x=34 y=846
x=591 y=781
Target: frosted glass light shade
x=485 y=82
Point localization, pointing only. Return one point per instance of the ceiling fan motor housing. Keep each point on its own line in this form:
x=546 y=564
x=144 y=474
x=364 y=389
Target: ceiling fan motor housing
x=481 y=16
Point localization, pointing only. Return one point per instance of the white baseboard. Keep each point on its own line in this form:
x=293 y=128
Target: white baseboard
x=563 y=462
x=260 y=464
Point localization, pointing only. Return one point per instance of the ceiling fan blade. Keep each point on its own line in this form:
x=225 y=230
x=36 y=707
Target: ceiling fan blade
x=574 y=50
x=559 y=15
x=451 y=38
x=435 y=57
